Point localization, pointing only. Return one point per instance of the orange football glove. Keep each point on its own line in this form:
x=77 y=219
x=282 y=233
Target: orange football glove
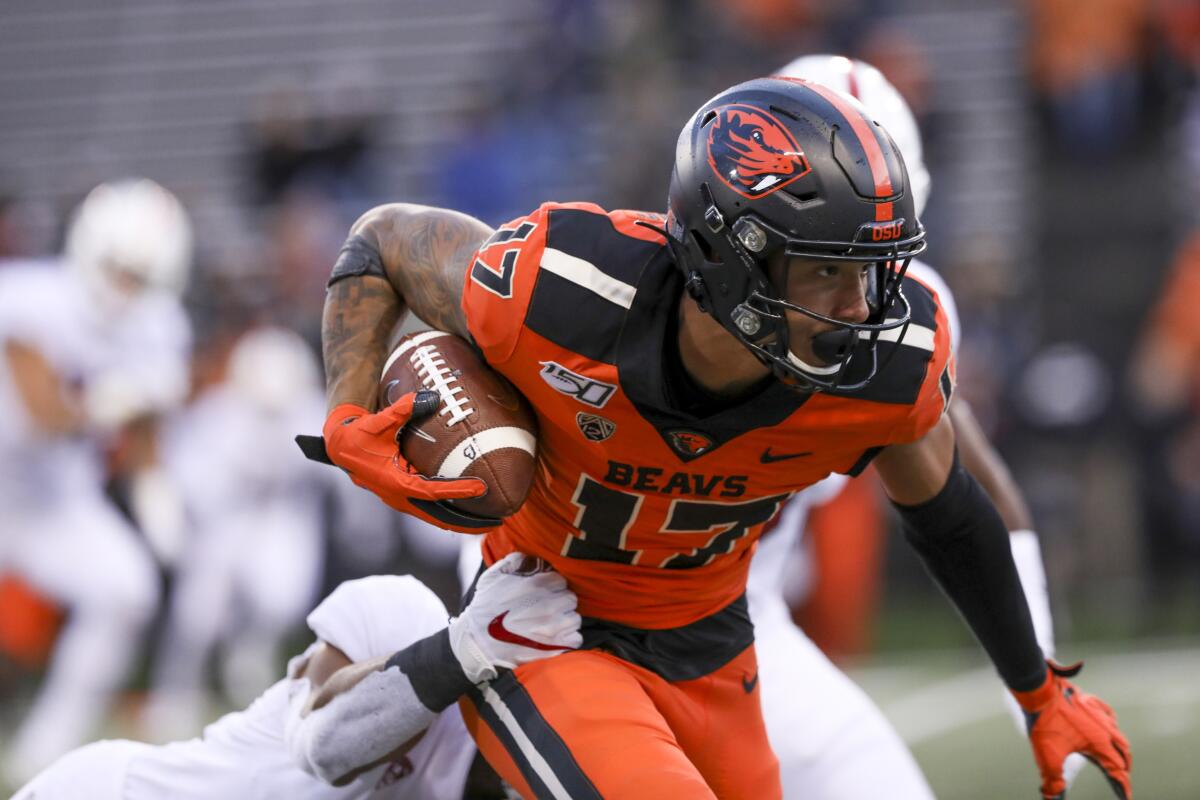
x=365 y=446
x=1062 y=720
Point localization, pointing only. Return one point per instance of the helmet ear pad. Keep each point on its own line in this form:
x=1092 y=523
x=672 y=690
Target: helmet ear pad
x=724 y=277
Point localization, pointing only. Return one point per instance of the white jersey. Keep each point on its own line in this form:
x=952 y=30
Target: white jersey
x=244 y=754
x=144 y=351
x=930 y=277
x=773 y=562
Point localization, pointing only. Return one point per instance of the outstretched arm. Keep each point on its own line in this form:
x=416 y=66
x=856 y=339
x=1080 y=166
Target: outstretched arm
x=398 y=258
x=955 y=528
x=47 y=404
x=958 y=533
x=986 y=466
x=330 y=673
x=354 y=716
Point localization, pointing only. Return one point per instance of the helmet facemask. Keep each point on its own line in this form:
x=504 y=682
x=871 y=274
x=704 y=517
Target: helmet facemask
x=746 y=302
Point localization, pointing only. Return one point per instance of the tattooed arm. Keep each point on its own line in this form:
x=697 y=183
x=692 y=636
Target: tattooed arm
x=424 y=253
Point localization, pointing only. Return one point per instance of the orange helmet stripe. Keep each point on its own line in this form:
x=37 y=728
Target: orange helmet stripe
x=870 y=145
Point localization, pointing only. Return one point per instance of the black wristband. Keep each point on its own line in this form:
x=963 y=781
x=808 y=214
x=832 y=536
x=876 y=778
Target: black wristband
x=358 y=256
x=964 y=544
x=434 y=672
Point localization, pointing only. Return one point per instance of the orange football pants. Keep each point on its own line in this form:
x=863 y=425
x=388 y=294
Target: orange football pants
x=587 y=725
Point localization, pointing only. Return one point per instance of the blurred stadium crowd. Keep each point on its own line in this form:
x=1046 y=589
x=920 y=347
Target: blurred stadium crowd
x=1065 y=151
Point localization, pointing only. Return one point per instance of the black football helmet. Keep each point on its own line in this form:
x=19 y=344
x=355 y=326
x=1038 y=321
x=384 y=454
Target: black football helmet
x=783 y=165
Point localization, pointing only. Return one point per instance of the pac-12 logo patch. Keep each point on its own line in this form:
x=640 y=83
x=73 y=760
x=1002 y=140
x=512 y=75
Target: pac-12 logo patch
x=690 y=444
x=582 y=388
x=752 y=152
x=593 y=427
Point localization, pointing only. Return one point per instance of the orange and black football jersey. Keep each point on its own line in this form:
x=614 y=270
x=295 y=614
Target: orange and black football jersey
x=651 y=512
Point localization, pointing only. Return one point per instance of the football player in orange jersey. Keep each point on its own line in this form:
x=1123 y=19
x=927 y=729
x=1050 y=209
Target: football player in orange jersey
x=690 y=373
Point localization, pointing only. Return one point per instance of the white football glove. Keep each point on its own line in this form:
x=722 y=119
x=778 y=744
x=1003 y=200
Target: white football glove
x=521 y=612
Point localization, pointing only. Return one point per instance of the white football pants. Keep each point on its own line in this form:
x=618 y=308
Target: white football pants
x=833 y=743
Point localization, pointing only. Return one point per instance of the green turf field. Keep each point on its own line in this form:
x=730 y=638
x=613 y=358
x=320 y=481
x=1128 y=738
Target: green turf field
x=947 y=706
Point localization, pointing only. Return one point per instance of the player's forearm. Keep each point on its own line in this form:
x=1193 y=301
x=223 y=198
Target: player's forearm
x=374 y=711
x=360 y=313
x=41 y=391
x=342 y=681
x=964 y=544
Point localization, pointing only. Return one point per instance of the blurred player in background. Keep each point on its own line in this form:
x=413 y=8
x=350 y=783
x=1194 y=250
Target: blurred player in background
x=1165 y=382
x=251 y=564
x=94 y=349
x=369 y=706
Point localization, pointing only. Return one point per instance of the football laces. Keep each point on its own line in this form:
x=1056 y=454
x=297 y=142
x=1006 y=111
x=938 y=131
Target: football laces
x=434 y=374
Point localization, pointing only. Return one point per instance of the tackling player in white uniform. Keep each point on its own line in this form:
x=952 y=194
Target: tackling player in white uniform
x=91 y=346
x=369 y=706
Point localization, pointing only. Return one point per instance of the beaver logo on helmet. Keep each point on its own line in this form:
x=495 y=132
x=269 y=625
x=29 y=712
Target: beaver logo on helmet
x=752 y=152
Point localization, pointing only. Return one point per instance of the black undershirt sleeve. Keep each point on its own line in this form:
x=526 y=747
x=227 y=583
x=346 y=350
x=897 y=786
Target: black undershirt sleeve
x=964 y=544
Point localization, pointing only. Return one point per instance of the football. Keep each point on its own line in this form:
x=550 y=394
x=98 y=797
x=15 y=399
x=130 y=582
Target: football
x=482 y=428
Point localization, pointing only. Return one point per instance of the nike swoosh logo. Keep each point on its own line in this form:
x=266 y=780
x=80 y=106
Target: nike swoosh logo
x=768 y=457
x=497 y=631
x=749 y=685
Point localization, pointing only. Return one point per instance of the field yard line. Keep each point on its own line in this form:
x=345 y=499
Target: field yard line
x=1134 y=678
x=945 y=705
